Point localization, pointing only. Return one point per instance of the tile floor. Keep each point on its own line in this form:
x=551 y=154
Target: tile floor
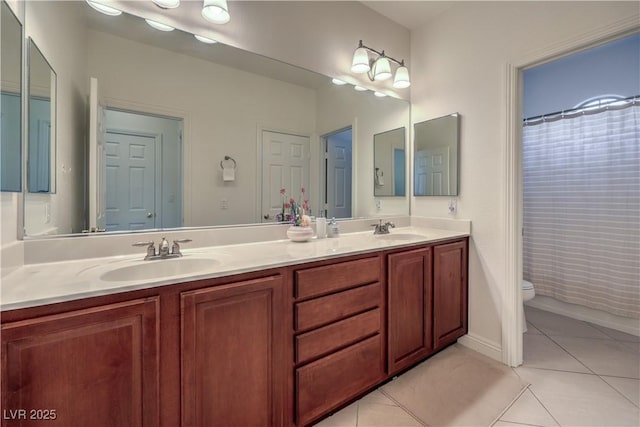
x=580 y=374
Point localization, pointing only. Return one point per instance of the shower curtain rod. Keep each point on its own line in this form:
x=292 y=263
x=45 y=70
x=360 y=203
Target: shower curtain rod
x=574 y=112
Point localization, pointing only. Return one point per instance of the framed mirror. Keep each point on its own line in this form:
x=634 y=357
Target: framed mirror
x=41 y=147
x=435 y=156
x=389 y=163
x=11 y=107
x=223 y=101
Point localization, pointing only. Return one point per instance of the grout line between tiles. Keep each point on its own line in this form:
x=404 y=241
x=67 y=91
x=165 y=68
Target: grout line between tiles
x=514 y=400
x=545 y=408
x=419 y=420
x=618 y=391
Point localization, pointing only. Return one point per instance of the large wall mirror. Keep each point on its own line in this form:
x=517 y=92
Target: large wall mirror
x=41 y=146
x=11 y=93
x=158 y=130
x=436 y=156
x=389 y=163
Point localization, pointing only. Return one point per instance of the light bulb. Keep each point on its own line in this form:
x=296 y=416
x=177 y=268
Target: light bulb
x=216 y=11
x=401 y=80
x=381 y=69
x=360 y=63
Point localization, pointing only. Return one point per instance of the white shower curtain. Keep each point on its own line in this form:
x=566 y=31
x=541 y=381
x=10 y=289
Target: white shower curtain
x=582 y=209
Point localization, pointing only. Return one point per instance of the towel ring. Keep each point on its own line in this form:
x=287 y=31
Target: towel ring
x=226 y=158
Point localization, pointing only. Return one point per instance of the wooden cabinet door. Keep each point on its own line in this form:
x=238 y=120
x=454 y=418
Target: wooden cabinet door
x=91 y=367
x=450 y=292
x=232 y=354
x=409 y=308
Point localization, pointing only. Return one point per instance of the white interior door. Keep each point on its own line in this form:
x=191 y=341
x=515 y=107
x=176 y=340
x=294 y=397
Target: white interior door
x=338 y=175
x=96 y=172
x=432 y=172
x=131 y=183
x=285 y=164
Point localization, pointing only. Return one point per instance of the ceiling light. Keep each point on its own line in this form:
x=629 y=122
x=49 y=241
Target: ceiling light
x=401 y=80
x=216 y=11
x=102 y=8
x=378 y=67
x=159 y=26
x=379 y=94
x=338 y=82
x=205 y=39
x=167 y=4
x=360 y=88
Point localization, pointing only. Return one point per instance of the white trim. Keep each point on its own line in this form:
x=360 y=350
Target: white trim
x=587 y=314
x=483 y=346
x=512 y=176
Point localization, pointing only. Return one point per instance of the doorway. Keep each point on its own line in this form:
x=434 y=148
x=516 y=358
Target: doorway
x=143 y=171
x=285 y=166
x=336 y=171
x=512 y=322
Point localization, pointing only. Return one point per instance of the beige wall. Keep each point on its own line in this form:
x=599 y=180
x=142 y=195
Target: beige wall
x=458 y=63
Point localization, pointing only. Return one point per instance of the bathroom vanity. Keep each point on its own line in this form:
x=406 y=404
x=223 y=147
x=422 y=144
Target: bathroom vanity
x=281 y=345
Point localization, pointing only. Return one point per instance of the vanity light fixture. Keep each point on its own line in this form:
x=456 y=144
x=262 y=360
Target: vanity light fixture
x=338 y=82
x=103 y=8
x=203 y=39
x=378 y=66
x=167 y=4
x=159 y=26
x=216 y=11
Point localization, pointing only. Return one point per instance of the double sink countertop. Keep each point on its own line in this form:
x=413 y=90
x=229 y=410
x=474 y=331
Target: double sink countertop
x=53 y=282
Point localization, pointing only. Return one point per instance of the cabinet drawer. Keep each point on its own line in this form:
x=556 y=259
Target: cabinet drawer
x=326 y=383
x=329 y=278
x=324 y=340
x=324 y=310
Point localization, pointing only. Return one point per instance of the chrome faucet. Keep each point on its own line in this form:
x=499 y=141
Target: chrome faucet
x=163 y=249
x=382 y=228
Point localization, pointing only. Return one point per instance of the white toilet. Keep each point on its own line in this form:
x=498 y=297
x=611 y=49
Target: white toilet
x=528 y=292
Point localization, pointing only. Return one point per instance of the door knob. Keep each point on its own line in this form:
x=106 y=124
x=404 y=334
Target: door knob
x=149 y=215
x=267 y=216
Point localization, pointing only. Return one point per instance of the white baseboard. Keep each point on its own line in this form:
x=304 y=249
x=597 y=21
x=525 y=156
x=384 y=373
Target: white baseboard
x=579 y=312
x=482 y=346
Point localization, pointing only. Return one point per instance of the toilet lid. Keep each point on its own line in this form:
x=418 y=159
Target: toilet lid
x=527 y=285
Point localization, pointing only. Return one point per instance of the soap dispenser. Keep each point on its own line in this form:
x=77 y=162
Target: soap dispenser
x=321 y=225
x=333 y=229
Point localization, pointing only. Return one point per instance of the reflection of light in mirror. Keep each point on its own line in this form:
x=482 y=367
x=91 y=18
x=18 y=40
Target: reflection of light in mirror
x=167 y=4
x=159 y=26
x=379 y=94
x=205 y=39
x=103 y=8
x=360 y=88
x=338 y=82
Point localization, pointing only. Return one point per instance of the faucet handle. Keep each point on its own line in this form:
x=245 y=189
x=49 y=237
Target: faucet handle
x=390 y=224
x=151 y=249
x=175 y=248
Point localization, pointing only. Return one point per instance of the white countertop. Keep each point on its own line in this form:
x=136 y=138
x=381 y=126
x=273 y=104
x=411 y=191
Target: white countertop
x=46 y=283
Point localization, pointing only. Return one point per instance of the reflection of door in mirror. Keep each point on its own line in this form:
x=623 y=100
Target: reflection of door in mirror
x=285 y=165
x=11 y=94
x=436 y=144
x=143 y=162
x=389 y=163
x=337 y=174
x=41 y=171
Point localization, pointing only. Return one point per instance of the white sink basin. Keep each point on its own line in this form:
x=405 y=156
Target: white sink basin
x=158 y=269
x=399 y=236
